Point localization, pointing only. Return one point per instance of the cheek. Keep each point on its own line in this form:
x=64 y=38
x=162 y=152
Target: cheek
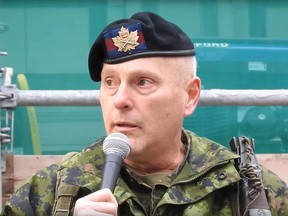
x=100 y=98
x=166 y=109
x=104 y=102
x=174 y=111
x=105 y=109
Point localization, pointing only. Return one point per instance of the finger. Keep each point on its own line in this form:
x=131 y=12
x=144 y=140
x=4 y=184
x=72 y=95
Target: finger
x=103 y=195
x=92 y=213
x=105 y=207
x=84 y=205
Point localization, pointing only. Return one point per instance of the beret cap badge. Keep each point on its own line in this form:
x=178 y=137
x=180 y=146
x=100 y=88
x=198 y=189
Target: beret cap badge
x=126 y=40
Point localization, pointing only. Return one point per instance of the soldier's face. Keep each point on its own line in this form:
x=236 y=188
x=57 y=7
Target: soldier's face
x=143 y=98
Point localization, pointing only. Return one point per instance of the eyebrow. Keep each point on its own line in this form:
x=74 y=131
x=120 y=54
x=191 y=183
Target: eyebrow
x=140 y=71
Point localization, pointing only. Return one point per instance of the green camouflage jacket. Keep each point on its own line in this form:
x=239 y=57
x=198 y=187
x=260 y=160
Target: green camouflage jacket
x=204 y=186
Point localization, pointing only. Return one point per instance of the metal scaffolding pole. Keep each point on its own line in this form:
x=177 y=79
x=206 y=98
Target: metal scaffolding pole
x=57 y=98
x=11 y=97
x=211 y=97
x=226 y=97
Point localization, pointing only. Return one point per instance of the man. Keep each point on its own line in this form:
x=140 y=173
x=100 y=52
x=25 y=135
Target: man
x=147 y=69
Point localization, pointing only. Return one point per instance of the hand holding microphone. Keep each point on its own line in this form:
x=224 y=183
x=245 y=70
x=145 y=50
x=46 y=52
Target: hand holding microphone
x=116 y=148
x=99 y=203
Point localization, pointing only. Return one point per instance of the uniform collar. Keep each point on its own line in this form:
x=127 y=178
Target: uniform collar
x=202 y=156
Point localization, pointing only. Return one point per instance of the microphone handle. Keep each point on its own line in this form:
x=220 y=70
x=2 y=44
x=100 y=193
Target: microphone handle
x=113 y=163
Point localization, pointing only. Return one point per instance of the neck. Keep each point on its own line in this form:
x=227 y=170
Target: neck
x=167 y=162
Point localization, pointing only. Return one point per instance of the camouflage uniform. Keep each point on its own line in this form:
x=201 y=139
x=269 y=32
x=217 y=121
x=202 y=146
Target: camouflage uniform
x=204 y=185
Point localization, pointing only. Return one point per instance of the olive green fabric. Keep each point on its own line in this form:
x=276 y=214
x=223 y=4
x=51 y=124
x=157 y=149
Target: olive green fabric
x=205 y=185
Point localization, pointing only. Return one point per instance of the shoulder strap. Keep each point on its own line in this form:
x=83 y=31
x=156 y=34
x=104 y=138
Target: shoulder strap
x=65 y=194
x=64 y=199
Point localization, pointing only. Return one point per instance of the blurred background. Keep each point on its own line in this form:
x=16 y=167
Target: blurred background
x=240 y=44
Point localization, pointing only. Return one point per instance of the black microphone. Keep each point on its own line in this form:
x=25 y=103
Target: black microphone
x=116 y=148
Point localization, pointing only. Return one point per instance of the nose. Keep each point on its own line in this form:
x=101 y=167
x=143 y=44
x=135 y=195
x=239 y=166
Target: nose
x=123 y=97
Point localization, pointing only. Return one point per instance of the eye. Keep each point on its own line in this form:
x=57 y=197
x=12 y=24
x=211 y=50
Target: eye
x=110 y=82
x=144 y=82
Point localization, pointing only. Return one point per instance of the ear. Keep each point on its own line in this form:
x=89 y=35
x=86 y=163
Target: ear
x=193 y=94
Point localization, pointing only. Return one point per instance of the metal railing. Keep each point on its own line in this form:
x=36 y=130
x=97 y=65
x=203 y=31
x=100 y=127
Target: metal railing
x=211 y=97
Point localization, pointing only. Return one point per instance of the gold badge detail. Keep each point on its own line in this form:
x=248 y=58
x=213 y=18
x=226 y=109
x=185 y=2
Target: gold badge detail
x=126 y=41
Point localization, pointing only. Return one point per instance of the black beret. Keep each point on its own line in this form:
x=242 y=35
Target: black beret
x=145 y=34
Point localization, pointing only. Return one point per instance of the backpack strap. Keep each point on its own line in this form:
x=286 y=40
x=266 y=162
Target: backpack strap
x=65 y=194
x=65 y=198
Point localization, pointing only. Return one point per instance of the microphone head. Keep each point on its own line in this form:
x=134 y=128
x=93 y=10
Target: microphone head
x=117 y=143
